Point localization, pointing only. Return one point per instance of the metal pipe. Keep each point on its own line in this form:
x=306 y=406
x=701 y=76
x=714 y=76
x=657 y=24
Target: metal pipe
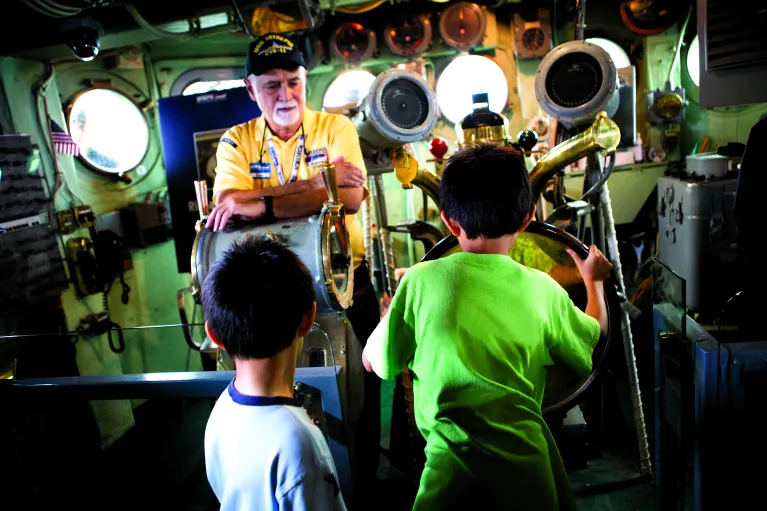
x=602 y=135
x=593 y=174
x=678 y=49
x=384 y=242
x=580 y=19
x=645 y=465
x=367 y=233
x=421 y=178
x=143 y=23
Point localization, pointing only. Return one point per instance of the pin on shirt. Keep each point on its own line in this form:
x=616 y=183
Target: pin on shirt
x=261 y=170
x=317 y=158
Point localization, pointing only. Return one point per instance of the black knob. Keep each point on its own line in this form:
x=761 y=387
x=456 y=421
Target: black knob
x=527 y=139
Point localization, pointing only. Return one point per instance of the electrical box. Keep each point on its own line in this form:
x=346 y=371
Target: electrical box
x=67 y=221
x=697 y=238
x=145 y=223
x=84 y=216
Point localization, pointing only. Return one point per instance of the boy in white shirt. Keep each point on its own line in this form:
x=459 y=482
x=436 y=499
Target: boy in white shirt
x=262 y=450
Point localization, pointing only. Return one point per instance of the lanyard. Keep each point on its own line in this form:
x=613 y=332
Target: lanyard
x=275 y=159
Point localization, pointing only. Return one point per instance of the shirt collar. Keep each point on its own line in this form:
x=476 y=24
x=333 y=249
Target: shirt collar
x=310 y=123
x=244 y=399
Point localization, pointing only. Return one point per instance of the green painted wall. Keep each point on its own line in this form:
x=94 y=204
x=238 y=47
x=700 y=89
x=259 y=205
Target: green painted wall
x=154 y=280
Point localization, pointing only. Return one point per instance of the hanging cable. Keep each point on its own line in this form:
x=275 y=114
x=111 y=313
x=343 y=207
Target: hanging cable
x=143 y=23
x=43 y=10
x=60 y=8
x=602 y=179
x=194 y=31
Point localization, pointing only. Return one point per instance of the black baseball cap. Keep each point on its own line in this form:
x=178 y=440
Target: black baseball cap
x=272 y=51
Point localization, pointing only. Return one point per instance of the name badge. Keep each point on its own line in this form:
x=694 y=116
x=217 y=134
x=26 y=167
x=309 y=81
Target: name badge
x=261 y=170
x=317 y=157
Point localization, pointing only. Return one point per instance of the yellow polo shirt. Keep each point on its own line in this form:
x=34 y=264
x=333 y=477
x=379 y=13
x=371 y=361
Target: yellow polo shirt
x=240 y=150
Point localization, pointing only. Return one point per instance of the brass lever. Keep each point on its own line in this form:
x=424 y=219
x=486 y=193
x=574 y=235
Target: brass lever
x=329 y=177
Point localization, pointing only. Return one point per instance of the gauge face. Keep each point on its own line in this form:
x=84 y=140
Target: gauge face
x=462 y=25
x=533 y=38
x=353 y=42
x=668 y=106
x=574 y=80
x=409 y=36
x=404 y=103
x=648 y=17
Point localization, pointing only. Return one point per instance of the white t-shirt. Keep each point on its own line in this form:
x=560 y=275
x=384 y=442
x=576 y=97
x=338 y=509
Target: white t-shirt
x=265 y=453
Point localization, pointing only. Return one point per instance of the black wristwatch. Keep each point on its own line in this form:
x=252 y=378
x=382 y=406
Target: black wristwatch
x=269 y=203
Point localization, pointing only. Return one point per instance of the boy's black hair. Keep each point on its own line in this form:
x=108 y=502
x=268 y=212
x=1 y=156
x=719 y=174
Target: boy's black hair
x=255 y=296
x=486 y=189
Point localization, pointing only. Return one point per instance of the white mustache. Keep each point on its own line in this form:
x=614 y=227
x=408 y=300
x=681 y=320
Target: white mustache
x=286 y=104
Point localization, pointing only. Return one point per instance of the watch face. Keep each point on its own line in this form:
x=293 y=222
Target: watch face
x=533 y=38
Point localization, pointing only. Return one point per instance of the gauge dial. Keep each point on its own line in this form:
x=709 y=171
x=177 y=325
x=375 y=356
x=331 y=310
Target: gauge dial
x=409 y=36
x=648 y=17
x=574 y=80
x=533 y=38
x=405 y=104
x=462 y=25
x=354 y=43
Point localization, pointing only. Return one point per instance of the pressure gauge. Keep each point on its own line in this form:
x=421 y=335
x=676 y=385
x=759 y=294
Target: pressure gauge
x=533 y=38
x=462 y=25
x=409 y=36
x=576 y=81
x=354 y=43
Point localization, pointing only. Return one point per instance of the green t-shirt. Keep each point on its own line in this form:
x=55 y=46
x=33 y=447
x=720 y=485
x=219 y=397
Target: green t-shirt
x=478 y=331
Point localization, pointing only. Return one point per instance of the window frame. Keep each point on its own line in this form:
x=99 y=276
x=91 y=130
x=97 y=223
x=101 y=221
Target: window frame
x=687 y=62
x=68 y=115
x=204 y=74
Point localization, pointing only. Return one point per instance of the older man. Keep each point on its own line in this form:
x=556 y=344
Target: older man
x=262 y=173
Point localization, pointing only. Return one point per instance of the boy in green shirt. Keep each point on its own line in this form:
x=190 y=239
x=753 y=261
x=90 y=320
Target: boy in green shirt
x=478 y=330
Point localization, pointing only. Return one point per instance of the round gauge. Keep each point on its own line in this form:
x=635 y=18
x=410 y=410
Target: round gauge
x=648 y=17
x=400 y=108
x=353 y=43
x=405 y=104
x=574 y=80
x=409 y=36
x=533 y=38
x=462 y=25
x=669 y=105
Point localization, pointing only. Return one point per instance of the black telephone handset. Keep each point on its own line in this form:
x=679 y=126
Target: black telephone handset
x=110 y=257
x=110 y=251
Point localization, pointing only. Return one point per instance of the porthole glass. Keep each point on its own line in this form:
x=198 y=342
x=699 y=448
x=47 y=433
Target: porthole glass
x=110 y=130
